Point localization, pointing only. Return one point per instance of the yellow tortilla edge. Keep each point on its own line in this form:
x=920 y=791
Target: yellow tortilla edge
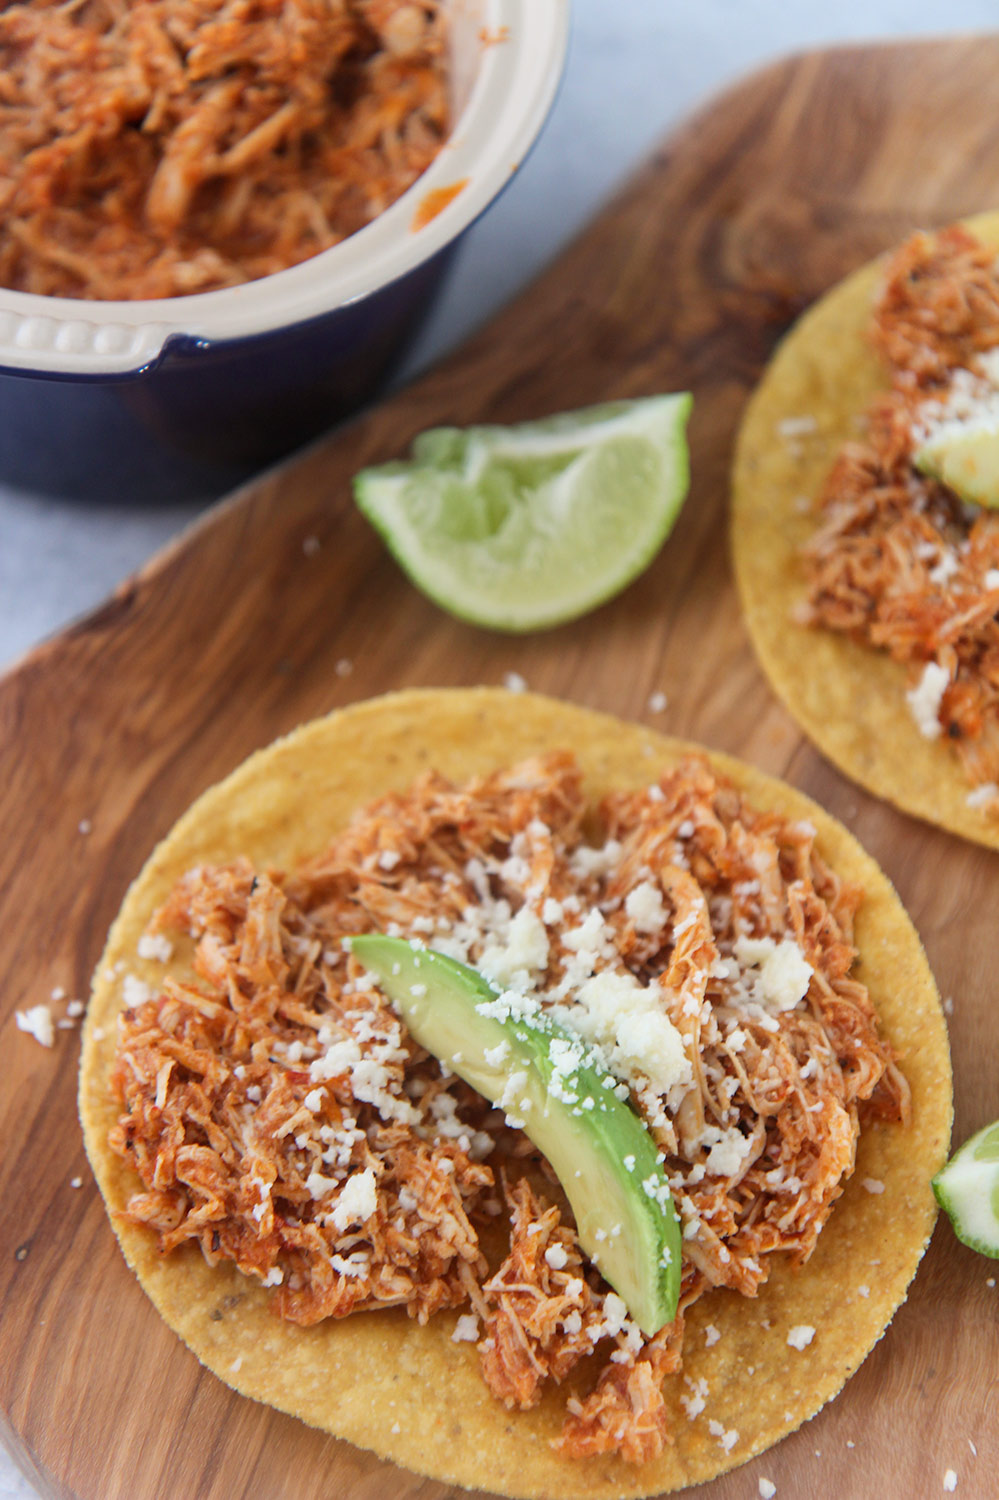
x=362 y=1376
x=848 y=698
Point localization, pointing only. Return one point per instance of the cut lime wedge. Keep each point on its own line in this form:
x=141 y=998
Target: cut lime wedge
x=967 y=1188
x=519 y=528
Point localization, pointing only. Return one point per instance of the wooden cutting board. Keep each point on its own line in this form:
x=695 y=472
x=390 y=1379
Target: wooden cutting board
x=282 y=604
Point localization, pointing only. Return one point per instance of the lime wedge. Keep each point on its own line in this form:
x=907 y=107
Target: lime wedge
x=520 y=528
x=964 y=456
x=967 y=1188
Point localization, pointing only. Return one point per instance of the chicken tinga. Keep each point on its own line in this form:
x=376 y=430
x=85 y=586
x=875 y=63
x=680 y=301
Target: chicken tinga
x=865 y=529
x=901 y=561
x=278 y=1112
x=155 y=148
x=691 y=1183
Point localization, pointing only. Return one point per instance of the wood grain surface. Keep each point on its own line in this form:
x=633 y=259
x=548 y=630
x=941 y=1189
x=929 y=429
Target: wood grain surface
x=241 y=630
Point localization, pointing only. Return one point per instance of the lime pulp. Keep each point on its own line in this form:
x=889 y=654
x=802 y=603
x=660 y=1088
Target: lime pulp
x=521 y=528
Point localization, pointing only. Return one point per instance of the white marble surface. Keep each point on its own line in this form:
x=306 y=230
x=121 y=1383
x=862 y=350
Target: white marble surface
x=635 y=68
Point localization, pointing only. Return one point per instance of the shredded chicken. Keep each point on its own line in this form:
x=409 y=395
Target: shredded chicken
x=280 y=1116
x=153 y=148
x=898 y=562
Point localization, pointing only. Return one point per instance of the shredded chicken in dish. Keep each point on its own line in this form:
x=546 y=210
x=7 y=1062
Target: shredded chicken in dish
x=899 y=561
x=154 y=148
x=279 y=1115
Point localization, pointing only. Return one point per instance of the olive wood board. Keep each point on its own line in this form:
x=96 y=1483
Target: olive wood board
x=282 y=604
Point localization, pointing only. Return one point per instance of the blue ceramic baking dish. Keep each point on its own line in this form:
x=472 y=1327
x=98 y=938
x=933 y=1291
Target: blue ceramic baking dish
x=234 y=378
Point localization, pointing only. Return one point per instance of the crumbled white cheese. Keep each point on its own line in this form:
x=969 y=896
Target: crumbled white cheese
x=510 y=963
x=925 y=698
x=155 y=945
x=800 y=1336
x=873 y=1185
x=514 y=683
x=792 y=427
x=767 y=1489
x=657 y=702
x=946 y=566
x=950 y=1481
x=728 y=1150
x=313 y=1100
x=274 y=1276
x=466 y=1330
x=711 y=1336
x=557 y=1257
x=644 y=905
x=982 y=795
x=135 y=991
x=614 y=1012
x=357 y=1201
x=778 y=972
x=726 y=1440
x=494 y=1057
x=37 y=1022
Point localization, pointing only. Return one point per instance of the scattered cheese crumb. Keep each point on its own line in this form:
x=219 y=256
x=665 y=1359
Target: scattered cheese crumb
x=37 y=1022
x=767 y=1489
x=466 y=1330
x=75 y=1008
x=557 y=1257
x=395 y=1428
x=863 y=1291
x=873 y=1185
x=84 y=826
x=155 y=945
x=76 y=1182
x=357 y=1201
x=657 y=702
x=801 y=1335
x=514 y=683
x=792 y=427
x=644 y=905
x=344 y=667
x=925 y=698
x=726 y=1440
x=711 y=1336
x=982 y=795
x=237 y=1364
x=58 y=993
x=950 y=1481
x=135 y=992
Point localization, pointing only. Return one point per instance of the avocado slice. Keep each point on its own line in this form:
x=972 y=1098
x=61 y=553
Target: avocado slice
x=550 y=1085
x=965 y=456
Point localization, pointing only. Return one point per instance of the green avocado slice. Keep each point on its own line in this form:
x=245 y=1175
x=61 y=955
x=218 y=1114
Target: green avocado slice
x=551 y=1085
x=965 y=456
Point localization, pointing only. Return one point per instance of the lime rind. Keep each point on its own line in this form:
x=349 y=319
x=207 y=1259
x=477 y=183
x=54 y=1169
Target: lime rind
x=526 y=527
x=967 y=1189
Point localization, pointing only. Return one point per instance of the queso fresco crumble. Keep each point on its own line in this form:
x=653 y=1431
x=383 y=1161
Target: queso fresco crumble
x=276 y=1111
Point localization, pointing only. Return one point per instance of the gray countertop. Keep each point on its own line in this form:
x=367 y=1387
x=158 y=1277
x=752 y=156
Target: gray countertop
x=636 y=67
